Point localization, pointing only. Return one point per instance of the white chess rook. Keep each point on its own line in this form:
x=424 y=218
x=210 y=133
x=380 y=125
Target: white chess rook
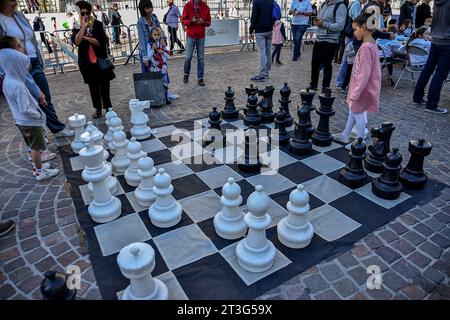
x=109 y=133
x=77 y=122
x=165 y=212
x=120 y=161
x=294 y=231
x=139 y=119
x=229 y=223
x=144 y=192
x=134 y=153
x=104 y=206
x=136 y=262
x=255 y=253
x=115 y=125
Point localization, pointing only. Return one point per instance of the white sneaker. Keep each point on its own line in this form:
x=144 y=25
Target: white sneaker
x=339 y=138
x=46 y=174
x=44 y=166
x=171 y=96
x=65 y=133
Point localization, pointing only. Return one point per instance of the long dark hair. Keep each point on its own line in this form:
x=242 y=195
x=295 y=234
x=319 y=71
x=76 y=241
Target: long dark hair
x=419 y=32
x=363 y=19
x=144 y=4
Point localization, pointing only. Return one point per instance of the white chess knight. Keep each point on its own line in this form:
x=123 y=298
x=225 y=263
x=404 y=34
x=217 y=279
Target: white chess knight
x=139 y=119
x=136 y=262
x=77 y=122
x=294 y=231
x=109 y=133
x=255 y=253
x=104 y=206
x=165 y=212
x=144 y=192
x=134 y=153
x=229 y=223
x=116 y=125
x=120 y=161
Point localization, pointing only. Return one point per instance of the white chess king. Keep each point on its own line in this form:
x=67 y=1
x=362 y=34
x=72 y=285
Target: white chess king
x=139 y=119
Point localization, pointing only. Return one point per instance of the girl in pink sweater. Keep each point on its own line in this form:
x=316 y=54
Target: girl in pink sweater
x=365 y=83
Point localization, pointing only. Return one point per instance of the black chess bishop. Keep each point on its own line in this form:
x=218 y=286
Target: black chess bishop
x=321 y=136
x=380 y=147
x=387 y=186
x=229 y=112
x=413 y=176
x=354 y=175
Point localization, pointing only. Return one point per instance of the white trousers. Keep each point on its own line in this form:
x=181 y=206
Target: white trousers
x=360 y=119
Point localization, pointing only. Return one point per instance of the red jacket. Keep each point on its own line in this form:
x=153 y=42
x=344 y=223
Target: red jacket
x=194 y=30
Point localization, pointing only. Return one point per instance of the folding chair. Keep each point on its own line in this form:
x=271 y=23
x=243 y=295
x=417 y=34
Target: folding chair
x=384 y=63
x=409 y=67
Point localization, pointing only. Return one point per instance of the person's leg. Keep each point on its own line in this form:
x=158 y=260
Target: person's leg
x=442 y=70
x=327 y=64
x=261 y=43
x=348 y=76
x=171 y=38
x=52 y=121
x=268 y=45
x=188 y=55
x=360 y=119
x=296 y=37
x=277 y=57
x=426 y=73
x=105 y=94
x=316 y=61
x=200 y=58
x=94 y=90
x=177 y=41
x=342 y=71
x=114 y=34
x=301 y=32
x=274 y=52
x=349 y=126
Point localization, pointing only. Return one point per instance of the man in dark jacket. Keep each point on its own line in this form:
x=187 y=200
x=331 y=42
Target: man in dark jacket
x=261 y=24
x=423 y=13
x=38 y=25
x=438 y=59
x=407 y=11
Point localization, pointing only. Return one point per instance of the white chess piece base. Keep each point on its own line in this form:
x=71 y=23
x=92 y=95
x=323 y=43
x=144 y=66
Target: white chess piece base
x=105 y=212
x=295 y=237
x=160 y=293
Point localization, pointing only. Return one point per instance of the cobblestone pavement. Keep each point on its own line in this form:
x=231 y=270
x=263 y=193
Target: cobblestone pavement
x=412 y=250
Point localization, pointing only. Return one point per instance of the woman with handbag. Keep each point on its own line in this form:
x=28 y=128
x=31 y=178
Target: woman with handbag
x=95 y=67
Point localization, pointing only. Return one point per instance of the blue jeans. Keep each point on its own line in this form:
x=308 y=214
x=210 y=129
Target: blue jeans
x=264 y=43
x=439 y=60
x=52 y=121
x=343 y=68
x=298 y=31
x=191 y=44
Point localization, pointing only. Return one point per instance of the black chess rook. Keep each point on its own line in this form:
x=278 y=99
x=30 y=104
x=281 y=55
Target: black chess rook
x=266 y=104
x=322 y=136
x=285 y=93
x=354 y=175
x=380 y=147
x=387 y=186
x=229 y=112
x=413 y=176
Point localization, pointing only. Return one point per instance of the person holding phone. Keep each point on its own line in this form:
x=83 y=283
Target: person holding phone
x=300 y=10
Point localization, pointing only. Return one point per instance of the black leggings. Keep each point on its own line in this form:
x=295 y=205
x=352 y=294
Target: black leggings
x=348 y=75
x=100 y=95
x=276 y=52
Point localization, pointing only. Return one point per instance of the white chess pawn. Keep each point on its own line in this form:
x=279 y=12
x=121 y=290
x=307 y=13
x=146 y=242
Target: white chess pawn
x=165 y=212
x=115 y=125
x=109 y=133
x=139 y=119
x=120 y=161
x=104 y=206
x=229 y=223
x=136 y=262
x=134 y=153
x=77 y=122
x=144 y=192
x=294 y=231
x=255 y=253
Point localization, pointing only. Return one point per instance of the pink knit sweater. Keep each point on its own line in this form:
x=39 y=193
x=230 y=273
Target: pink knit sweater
x=365 y=84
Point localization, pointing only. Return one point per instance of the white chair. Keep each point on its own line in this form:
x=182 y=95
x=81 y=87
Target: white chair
x=384 y=62
x=409 y=67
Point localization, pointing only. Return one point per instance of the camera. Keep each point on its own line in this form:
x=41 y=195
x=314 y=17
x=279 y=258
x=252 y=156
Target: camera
x=53 y=18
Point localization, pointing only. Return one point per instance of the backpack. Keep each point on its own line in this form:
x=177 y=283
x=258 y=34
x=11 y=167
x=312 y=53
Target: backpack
x=105 y=19
x=348 y=28
x=336 y=7
x=276 y=11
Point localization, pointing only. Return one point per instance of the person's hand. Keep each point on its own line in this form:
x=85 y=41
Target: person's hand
x=200 y=21
x=299 y=13
x=318 y=23
x=84 y=22
x=392 y=36
x=194 y=20
x=42 y=100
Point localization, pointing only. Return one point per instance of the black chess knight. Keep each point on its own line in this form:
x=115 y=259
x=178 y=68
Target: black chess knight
x=281 y=134
x=230 y=112
x=380 y=147
x=250 y=161
x=285 y=93
x=301 y=144
x=307 y=97
x=250 y=91
x=266 y=104
x=413 y=176
x=322 y=136
x=54 y=287
x=354 y=175
x=252 y=116
x=387 y=186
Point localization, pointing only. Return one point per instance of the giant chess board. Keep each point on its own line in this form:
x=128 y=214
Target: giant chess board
x=190 y=258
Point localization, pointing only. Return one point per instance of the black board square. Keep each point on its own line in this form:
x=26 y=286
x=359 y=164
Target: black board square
x=207 y=227
x=128 y=135
x=125 y=186
x=188 y=186
x=160 y=157
x=340 y=154
x=282 y=199
x=335 y=175
x=180 y=138
x=246 y=190
x=160 y=264
x=188 y=125
x=297 y=156
x=198 y=163
x=235 y=167
x=298 y=172
x=430 y=191
x=155 y=231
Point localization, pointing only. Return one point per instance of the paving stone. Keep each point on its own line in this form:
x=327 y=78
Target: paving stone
x=30 y=284
x=434 y=224
x=425 y=284
x=359 y=296
x=89 y=276
x=8 y=242
x=14 y=264
x=419 y=259
x=387 y=254
x=71 y=230
x=442 y=217
x=36 y=255
x=51 y=228
x=423 y=229
x=388 y=236
x=393 y=280
x=413 y=292
x=6 y=291
x=433 y=275
x=375 y=261
x=46 y=221
x=360 y=250
x=345 y=287
x=373 y=242
x=315 y=283
x=403 y=246
x=30 y=244
x=441 y=241
x=328 y=294
x=359 y=274
x=60 y=248
x=439 y=203
x=331 y=272
x=442 y=266
x=94 y=294
x=444 y=290
x=53 y=239
x=446 y=257
x=28 y=232
x=429 y=208
x=67 y=258
x=8 y=254
x=20 y=274
x=379 y=294
x=46 y=264
x=418 y=214
x=413 y=237
x=431 y=249
x=408 y=219
x=347 y=260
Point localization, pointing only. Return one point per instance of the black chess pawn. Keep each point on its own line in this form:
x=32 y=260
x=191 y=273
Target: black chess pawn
x=413 y=176
x=281 y=135
x=214 y=131
x=54 y=287
x=387 y=186
x=266 y=104
x=230 y=112
x=301 y=144
x=252 y=90
x=321 y=136
x=285 y=93
x=354 y=175
x=252 y=116
x=250 y=161
x=380 y=147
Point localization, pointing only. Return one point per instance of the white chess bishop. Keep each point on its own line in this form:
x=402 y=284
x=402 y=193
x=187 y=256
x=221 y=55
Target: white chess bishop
x=136 y=262
x=116 y=125
x=139 y=119
x=109 y=133
x=120 y=161
x=77 y=122
x=229 y=223
x=294 y=231
x=104 y=206
x=165 y=212
x=255 y=253
x=144 y=192
x=134 y=153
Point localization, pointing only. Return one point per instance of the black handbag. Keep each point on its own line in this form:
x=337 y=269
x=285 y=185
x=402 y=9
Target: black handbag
x=105 y=64
x=150 y=86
